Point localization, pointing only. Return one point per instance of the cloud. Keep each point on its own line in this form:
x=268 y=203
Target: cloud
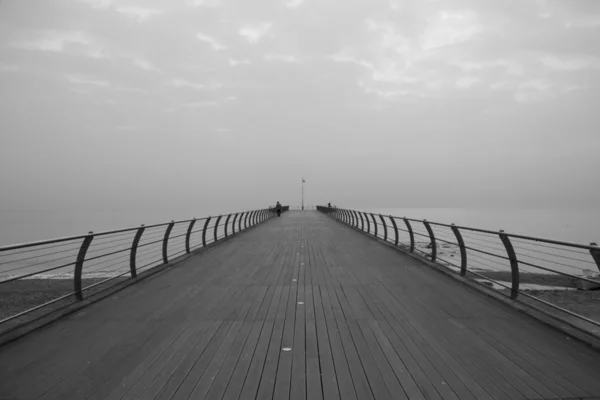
x=145 y=65
x=570 y=63
x=294 y=3
x=61 y=41
x=98 y=3
x=511 y=66
x=204 y=104
x=451 y=28
x=204 y=3
x=537 y=90
x=586 y=21
x=211 y=41
x=234 y=62
x=53 y=41
x=220 y=129
x=126 y=128
x=390 y=95
x=281 y=57
x=466 y=82
x=254 y=33
x=344 y=56
x=543 y=9
x=179 y=83
x=83 y=80
x=140 y=13
x=8 y=68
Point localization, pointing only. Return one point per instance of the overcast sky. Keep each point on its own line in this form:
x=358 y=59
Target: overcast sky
x=117 y=103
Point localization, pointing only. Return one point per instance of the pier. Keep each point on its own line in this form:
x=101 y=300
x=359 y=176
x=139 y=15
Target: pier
x=311 y=305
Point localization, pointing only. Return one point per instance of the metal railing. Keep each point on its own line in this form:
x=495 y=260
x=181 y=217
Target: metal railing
x=35 y=276
x=544 y=271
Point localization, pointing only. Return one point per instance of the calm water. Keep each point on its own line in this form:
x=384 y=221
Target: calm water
x=574 y=225
x=581 y=225
x=570 y=225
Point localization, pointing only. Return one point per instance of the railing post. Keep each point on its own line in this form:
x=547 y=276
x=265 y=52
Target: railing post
x=204 y=231
x=514 y=264
x=246 y=219
x=362 y=222
x=463 y=250
x=432 y=237
x=240 y=221
x=595 y=254
x=85 y=245
x=233 y=223
x=351 y=215
x=374 y=224
x=133 y=254
x=410 y=233
x=355 y=218
x=166 y=242
x=368 y=223
x=226 y=224
x=395 y=230
x=217 y=227
x=252 y=218
x=345 y=216
x=188 y=234
x=384 y=227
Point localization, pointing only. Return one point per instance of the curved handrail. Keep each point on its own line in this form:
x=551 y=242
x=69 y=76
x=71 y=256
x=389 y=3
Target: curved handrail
x=98 y=258
x=525 y=255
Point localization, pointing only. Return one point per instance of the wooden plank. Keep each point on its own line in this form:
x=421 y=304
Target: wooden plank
x=212 y=357
x=345 y=382
x=284 y=366
x=359 y=378
x=540 y=387
x=247 y=339
x=373 y=324
x=267 y=377
x=236 y=381
x=198 y=352
x=431 y=339
x=231 y=347
x=165 y=354
x=371 y=346
x=298 y=375
x=430 y=380
x=377 y=384
x=493 y=385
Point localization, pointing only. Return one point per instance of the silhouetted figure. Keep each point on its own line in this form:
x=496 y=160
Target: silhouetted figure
x=278 y=208
x=329 y=205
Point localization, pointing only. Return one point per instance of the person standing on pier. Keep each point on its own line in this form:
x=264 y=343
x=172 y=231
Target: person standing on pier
x=278 y=208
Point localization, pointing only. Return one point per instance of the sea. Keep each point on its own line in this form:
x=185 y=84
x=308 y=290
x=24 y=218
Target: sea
x=564 y=224
x=573 y=225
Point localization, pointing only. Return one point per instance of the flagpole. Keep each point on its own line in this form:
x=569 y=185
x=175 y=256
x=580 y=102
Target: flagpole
x=302 y=193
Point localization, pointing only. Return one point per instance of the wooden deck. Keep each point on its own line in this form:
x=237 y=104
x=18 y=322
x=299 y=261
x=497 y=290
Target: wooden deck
x=301 y=307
